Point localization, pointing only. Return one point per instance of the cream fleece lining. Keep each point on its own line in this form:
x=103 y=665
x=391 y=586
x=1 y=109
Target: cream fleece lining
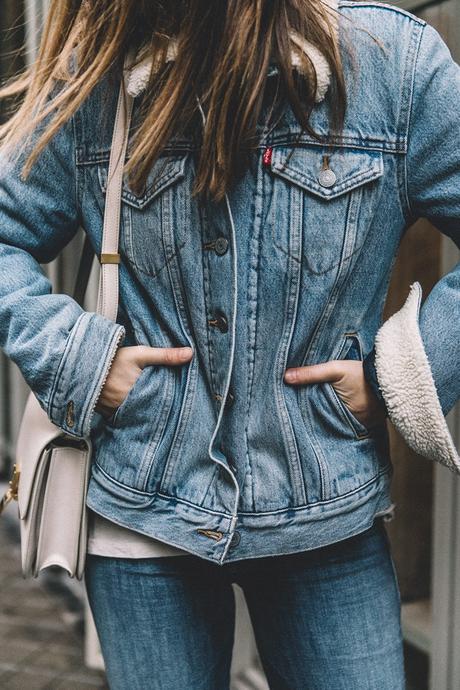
x=407 y=384
x=139 y=75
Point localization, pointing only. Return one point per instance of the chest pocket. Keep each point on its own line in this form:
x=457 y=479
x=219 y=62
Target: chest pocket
x=321 y=216
x=154 y=223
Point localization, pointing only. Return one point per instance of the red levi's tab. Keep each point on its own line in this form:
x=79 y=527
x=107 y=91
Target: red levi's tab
x=267 y=157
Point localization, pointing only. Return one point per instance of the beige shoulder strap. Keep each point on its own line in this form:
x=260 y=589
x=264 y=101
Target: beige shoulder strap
x=107 y=303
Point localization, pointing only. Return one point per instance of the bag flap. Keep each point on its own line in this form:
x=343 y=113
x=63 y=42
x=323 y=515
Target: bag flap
x=35 y=433
x=63 y=514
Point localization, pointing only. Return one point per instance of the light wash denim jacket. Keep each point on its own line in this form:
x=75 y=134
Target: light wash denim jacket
x=220 y=457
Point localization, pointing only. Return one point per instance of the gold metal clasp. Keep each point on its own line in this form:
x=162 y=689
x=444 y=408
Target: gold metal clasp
x=109 y=259
x=212 y=533
x=14 y=482
x=12 y=492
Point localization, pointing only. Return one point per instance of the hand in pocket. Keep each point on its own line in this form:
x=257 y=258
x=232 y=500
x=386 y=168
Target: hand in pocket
x=127 y=366
x=348 y=380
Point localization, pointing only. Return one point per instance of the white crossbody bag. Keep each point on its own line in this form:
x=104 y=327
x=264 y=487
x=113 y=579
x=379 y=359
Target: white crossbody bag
x=51 y=470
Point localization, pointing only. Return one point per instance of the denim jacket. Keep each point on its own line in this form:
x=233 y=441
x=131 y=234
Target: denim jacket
x=220 y=457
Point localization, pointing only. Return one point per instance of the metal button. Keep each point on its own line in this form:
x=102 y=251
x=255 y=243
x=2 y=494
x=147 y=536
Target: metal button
x=327 y=177
x=235 y=540
x=220 y=322
x=221 y=245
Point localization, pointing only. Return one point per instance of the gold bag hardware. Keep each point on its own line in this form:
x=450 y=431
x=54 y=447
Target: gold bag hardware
x=12 y=492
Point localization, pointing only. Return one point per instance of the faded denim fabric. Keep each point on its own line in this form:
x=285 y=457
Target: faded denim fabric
x=322 y=619
x=220 y=457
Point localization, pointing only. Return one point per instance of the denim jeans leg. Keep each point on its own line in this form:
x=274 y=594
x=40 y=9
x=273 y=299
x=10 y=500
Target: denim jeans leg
x=329 y=618
x=163 y=623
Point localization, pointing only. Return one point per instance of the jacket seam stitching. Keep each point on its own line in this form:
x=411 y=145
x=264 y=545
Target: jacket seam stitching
x=57 y=377
x=102 y=374
x=78 y=204
x=410 y=105
x=384 y=6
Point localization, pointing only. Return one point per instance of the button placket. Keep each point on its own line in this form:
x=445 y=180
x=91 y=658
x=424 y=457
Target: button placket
x=220 y=284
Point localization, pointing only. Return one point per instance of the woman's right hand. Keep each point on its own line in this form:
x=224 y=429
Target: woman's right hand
x=127 y=366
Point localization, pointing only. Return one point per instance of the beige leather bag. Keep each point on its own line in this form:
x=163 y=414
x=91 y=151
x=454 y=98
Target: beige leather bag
x=52 y=467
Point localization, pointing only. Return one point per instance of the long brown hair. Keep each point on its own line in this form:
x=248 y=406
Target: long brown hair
x=224 y=49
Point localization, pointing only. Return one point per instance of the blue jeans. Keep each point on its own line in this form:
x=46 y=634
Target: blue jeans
x=326 y=618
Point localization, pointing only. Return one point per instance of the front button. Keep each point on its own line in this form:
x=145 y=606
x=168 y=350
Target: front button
x=327 y=177
x=235 y=540
x=220 y=322
x=221 y=245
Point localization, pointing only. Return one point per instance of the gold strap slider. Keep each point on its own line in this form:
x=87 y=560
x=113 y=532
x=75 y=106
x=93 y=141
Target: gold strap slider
x=110 y=259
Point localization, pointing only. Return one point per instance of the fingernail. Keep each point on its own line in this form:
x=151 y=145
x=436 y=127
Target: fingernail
x=185 y=351
x=290 y=376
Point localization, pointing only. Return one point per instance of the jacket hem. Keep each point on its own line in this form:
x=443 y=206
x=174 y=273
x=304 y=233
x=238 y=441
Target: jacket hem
x=211 y=535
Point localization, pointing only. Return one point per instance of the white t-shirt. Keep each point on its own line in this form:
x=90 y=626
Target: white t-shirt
x=105 y=538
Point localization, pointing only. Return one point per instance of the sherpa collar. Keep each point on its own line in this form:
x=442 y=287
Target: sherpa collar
x=138 y=76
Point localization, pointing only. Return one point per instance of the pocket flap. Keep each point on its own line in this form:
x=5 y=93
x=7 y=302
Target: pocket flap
x=166 y=171
x=350 y=168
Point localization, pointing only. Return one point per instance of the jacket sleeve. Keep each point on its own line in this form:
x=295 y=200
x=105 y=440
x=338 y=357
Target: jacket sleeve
x=417 y=350
x=62 y=351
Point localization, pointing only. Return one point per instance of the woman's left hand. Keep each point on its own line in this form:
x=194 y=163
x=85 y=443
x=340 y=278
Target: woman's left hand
x=348 y=380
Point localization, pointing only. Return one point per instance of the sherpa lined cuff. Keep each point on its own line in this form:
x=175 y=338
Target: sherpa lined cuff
x=407 y=384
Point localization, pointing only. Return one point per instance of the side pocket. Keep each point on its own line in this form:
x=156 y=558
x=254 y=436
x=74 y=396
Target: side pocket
x=351 y=349
x=112 y=419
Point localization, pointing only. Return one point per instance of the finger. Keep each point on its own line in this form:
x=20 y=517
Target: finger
x=314 y=373
x=170 y=356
